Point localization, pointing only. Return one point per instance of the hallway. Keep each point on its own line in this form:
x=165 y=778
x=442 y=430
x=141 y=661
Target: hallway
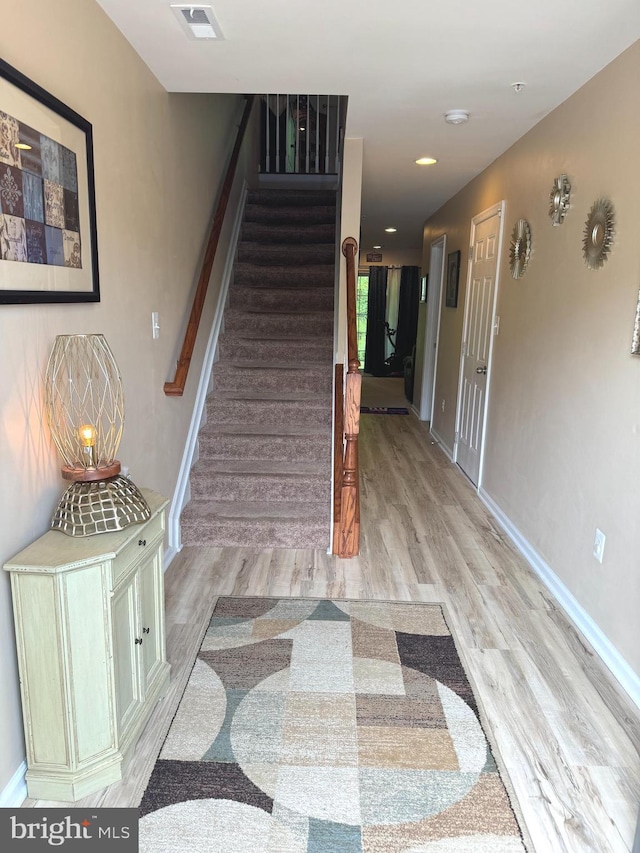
x=565 y=732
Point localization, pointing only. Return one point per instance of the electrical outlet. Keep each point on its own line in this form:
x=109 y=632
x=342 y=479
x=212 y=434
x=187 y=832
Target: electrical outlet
x=598 y=545
x=155 y=325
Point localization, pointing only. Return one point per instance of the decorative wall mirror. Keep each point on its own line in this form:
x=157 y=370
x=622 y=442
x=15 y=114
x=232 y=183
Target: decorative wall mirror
x=520 y=249
x=598 y=233
x=559 y=199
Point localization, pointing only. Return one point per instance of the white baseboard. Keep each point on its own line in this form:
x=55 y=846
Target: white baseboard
x=601 y=644
x=15 y=792
x=442 y=444
x=181 y=494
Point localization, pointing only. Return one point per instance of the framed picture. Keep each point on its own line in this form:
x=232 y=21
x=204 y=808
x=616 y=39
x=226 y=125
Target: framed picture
x=453 y=276
x=48 y=242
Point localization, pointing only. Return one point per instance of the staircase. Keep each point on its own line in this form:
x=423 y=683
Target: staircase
x=263 y=475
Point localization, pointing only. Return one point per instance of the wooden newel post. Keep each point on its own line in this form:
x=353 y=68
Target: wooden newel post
x=349 y=503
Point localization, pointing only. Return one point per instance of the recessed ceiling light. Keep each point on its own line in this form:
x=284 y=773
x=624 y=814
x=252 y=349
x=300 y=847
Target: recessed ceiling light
x=377 y=247
x=456 y=116
x=426 y=161
x=23 y=146
x=390 y=230
x=518 y=87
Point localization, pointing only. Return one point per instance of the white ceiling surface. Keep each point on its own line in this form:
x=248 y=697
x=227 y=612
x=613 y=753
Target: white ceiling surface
x=403 y=64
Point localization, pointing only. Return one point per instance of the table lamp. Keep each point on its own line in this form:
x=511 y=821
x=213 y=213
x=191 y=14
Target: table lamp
x=84 y=403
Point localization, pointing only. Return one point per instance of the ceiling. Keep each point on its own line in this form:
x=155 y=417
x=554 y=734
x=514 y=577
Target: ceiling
x=403 y=64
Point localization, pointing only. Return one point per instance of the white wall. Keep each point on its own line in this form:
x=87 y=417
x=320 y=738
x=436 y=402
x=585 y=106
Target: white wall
x=158 y=164
x=563 y=431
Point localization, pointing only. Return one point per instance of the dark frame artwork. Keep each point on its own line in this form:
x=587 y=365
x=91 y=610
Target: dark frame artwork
x=48 y=234
x=453 y=278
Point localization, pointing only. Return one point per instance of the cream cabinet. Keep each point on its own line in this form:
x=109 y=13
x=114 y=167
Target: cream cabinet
x=89 y=620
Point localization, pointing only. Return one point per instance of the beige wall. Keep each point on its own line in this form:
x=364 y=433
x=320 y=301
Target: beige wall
x=394 y=258
x=563 y=433
x=158 y=160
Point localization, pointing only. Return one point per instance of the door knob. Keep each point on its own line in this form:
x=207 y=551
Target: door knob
x=482 y=370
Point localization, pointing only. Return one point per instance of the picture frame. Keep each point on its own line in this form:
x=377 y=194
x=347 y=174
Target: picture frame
x=48 y=233
x=453 y=278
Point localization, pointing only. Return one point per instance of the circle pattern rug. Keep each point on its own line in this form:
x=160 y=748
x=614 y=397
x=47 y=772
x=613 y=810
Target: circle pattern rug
x=327 y=727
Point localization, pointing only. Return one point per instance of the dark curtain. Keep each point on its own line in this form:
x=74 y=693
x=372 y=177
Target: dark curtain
x=376 y=312
x=408 y=311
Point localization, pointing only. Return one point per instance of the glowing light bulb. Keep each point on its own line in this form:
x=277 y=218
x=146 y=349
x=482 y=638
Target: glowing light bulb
x=87 y=434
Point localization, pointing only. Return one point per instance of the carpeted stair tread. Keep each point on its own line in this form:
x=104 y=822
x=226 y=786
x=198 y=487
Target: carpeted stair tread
x=269 y=412
x=260 y=524
x=288 y=214
x=292 y=450
x=276 y=431
x=287 y=234
x=285 y=254
x=275 y=350
x=256 y=486
x=309 y=468
x=287 y=300
x=252 y=274
x=238 y=380
x=314 y=324
x=291 y=198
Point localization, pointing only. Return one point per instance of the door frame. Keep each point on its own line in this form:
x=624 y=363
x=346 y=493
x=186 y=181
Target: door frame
x=432 y=326
x=498 y=209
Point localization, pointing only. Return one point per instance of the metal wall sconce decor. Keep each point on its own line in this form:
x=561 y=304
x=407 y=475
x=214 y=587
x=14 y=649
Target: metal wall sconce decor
x=559 y=200
x=598 y=233
x=635 y=343
x=520 y=248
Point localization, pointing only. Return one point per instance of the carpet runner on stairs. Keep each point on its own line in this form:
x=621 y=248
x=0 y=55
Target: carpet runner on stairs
x=264 y=469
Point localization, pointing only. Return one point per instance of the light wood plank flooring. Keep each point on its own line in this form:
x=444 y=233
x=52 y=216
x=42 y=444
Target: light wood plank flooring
x=565 y=731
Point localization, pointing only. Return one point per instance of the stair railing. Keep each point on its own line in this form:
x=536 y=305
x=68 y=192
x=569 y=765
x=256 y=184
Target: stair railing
x=346 y=498
x=176 y=388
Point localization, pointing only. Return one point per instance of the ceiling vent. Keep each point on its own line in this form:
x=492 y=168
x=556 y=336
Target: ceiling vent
x=198 y=21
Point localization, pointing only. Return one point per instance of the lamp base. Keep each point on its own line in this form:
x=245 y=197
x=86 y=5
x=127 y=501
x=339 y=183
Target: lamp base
x=88 y=508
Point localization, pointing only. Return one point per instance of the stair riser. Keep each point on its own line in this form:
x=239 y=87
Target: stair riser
x=294 y=352
x=288 y=301
x=230 y=487
x=266 y=254
x=255 y=275
x=288 y=449
x=273 y=233
x=279 y=325
x=241 y=380
x=228 y=533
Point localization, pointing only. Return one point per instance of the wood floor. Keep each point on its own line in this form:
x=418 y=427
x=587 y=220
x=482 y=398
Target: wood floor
x=565 y=732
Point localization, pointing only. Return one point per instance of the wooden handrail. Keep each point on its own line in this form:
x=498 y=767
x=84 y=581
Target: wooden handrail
x=346 y=539
x=176 y=388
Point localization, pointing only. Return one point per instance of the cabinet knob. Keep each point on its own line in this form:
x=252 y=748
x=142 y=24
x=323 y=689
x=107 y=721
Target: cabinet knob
x=138 y=641
x=142 y=541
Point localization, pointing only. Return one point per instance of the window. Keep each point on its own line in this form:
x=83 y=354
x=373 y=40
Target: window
x=362 y=298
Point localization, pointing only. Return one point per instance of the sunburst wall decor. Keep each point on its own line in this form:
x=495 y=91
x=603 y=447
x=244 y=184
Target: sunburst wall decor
x=559 y=199
x=598 y=233
x=520 y=249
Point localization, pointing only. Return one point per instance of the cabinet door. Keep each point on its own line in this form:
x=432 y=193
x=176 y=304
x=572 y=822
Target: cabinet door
x=124 y=616
x=151 y=608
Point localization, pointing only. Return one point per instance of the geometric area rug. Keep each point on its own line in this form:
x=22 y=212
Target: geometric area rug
x=312 y=726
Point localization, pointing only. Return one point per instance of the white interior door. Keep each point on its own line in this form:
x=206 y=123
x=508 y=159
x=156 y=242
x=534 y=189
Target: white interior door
x=477 y=337
x=434 y=300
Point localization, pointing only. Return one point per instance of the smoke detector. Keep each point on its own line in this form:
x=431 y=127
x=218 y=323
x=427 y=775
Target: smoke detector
x=456 y=116
x=198 y=21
